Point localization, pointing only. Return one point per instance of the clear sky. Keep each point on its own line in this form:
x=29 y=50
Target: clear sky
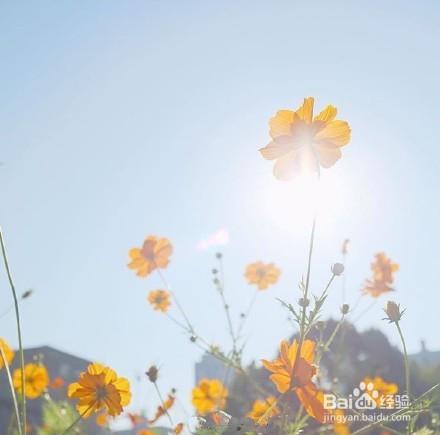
x=120 y=119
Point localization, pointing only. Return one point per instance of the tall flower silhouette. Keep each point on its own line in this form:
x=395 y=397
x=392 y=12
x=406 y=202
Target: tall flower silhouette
x=383 y=271
x=301 y=142
x=292 y=373
x=261 y=274
x=154 y=254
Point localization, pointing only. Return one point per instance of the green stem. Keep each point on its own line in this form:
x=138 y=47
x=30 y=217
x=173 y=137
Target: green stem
x=327 y=345
x=20 y=343
x=66 y=431
x=305 y=296
x=179 y=306
x=163 y=403
x=405 y=354
x=246 y=314
x=11 y=386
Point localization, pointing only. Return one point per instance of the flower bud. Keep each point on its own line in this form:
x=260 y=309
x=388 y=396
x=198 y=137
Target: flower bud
x=345 y=309
x=303 y=302
x=320 y=325
x=152 y=374
x=338 y=269
x=392 y=310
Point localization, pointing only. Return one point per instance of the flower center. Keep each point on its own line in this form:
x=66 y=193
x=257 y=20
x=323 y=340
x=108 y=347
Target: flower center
x=101 y=393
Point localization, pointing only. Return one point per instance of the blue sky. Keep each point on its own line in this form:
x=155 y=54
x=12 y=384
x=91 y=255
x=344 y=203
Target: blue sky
x=124 y=119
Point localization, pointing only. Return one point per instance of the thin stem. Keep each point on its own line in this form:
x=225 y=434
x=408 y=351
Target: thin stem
x=343 y=282
x=366 y=310
x=221 y=290
x=306 y=292
x=20 y=343
x=11 y=386
x=328 y=343
x=163 y=403
x=179 y=306
x=66 y=431
x=246 y=314
x=405 y=354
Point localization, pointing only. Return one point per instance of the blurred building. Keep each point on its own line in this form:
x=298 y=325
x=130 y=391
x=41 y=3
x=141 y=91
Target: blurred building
x=59 y=365
x=425 y=357
x=211 y=367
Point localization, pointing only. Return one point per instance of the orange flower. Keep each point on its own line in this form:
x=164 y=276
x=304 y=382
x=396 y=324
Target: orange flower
x=262 y=274
x=263 y=410
x=154 y=254
x=100 y=388
x=290 y=373
x=102 y=420
x=56 y=383
x=303 y=143
x=8 y=353
x=36 y=380
x=136 y=419
x=145 y=432
x=380 y=391
x=160 y=300
x=209 y=395
x=163 y=409
x=383 y=270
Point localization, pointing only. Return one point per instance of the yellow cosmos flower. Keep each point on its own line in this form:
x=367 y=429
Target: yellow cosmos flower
x=263 y=410
x=100 y=389
x=8 y=352
x=36 y=380
x=160 y=300
x=262 y=275
x=385 y=391
x=209 y=395
x=154 y=254
x=383 y=271
x=301 y=142
x=145 y=432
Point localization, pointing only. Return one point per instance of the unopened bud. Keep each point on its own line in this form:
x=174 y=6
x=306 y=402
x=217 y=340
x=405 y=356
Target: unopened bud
x=303 y=302
x=320 y=324
x=338 y=269
x=152 y=374
x=392 y=310
x=345 y=309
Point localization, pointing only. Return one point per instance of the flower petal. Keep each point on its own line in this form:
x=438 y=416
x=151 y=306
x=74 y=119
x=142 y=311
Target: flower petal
x=335 y=132
x=327 y=114
x=313 y=401
x=281 y=123
x=305 y=112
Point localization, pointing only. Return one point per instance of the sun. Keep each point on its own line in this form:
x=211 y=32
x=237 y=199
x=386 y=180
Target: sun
x=291 y=206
